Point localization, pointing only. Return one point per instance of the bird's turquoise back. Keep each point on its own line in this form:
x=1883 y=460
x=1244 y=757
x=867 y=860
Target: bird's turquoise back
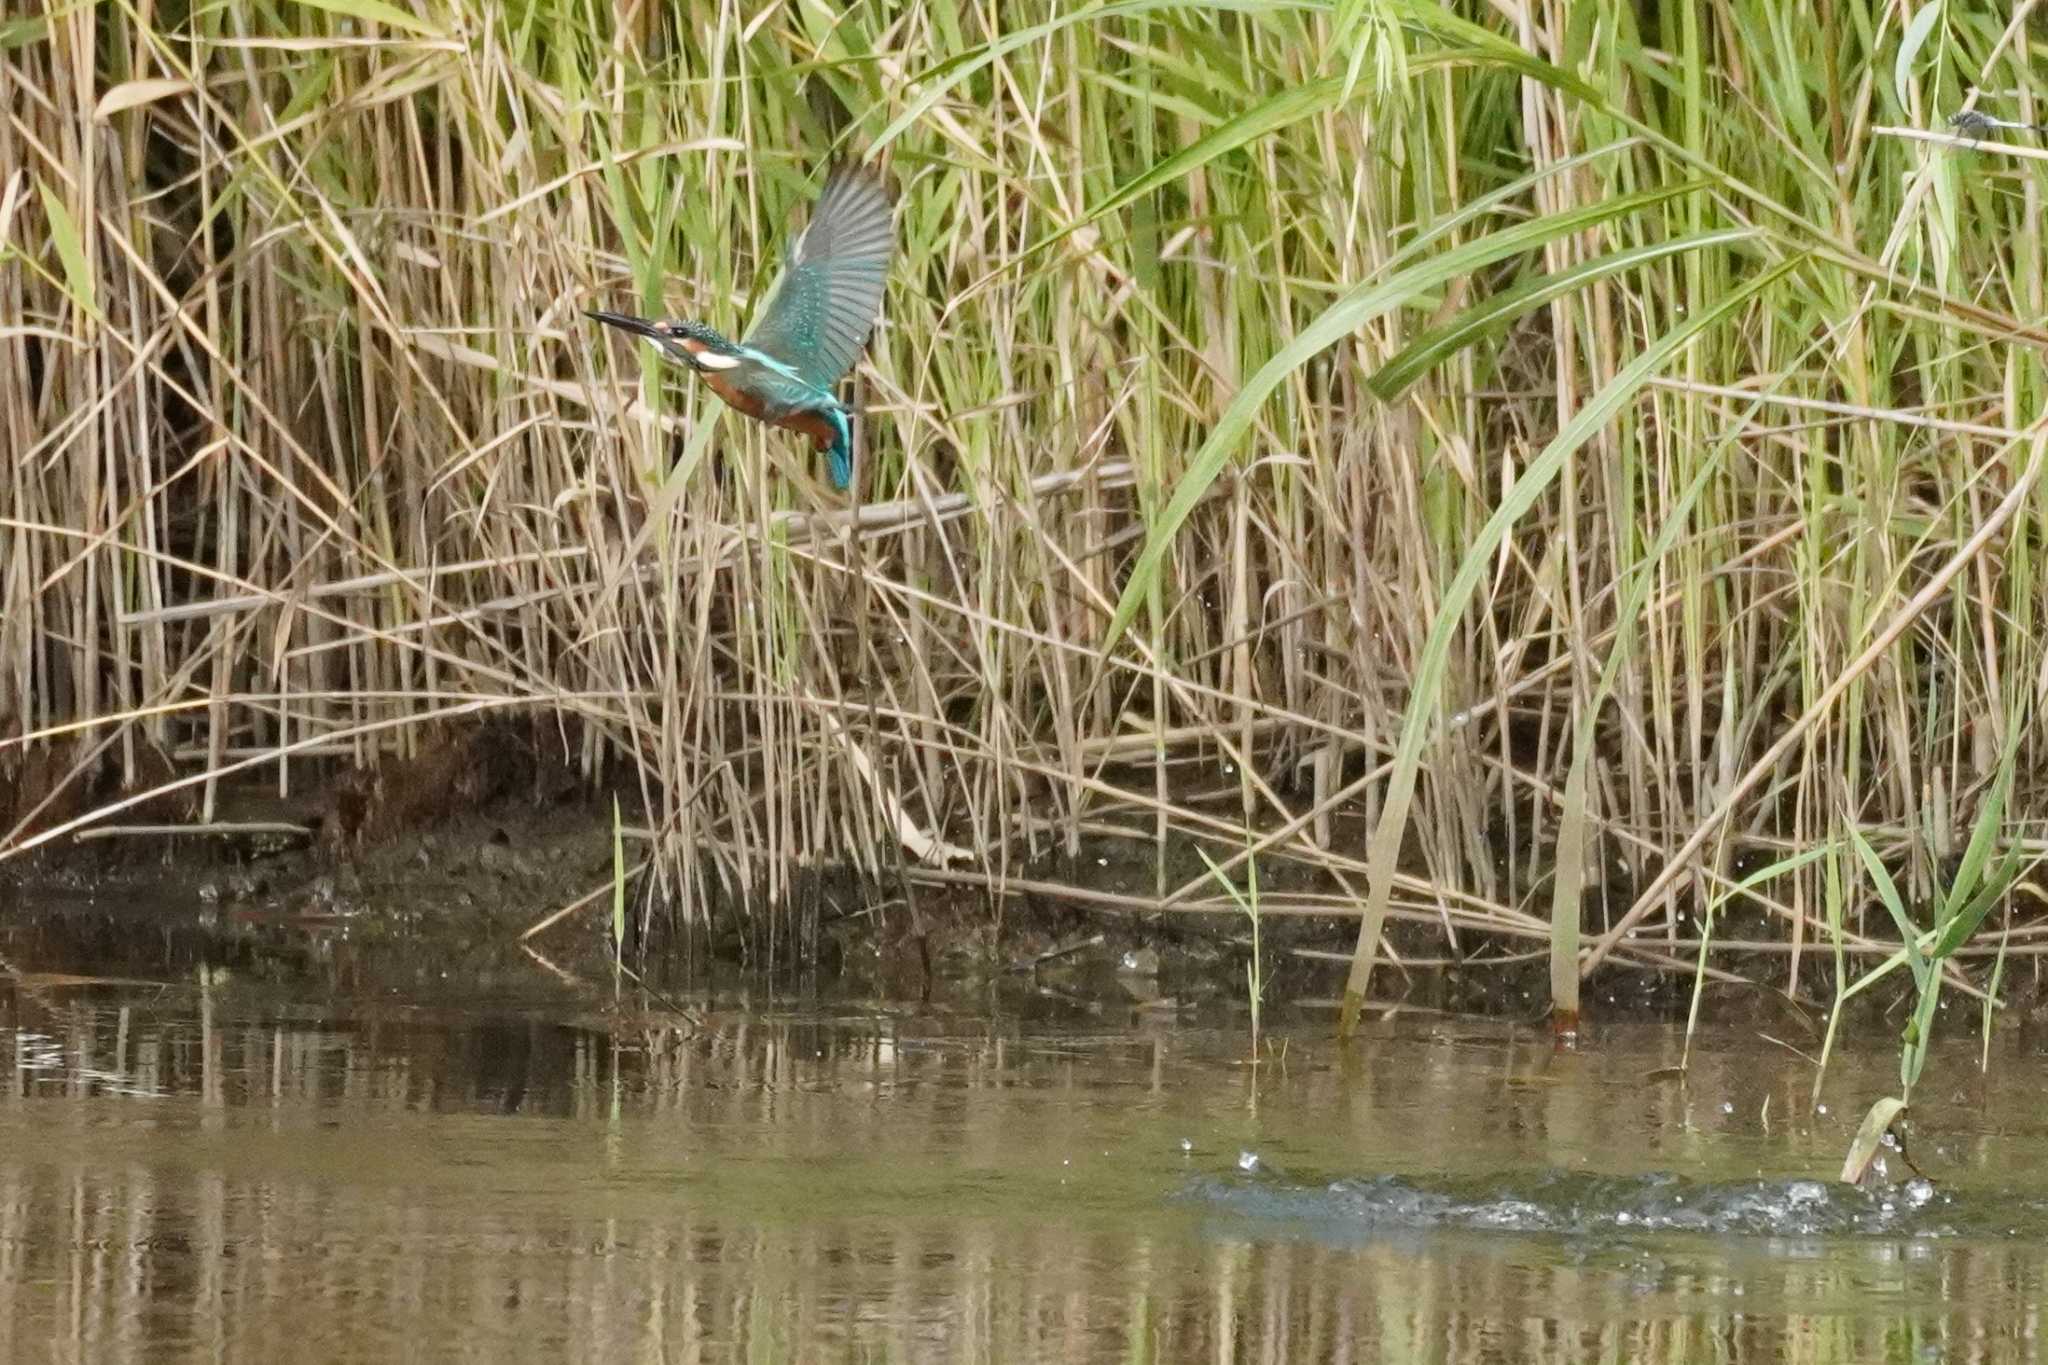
x=821 y=315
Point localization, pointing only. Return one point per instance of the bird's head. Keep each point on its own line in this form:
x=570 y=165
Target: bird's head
x=687 y=343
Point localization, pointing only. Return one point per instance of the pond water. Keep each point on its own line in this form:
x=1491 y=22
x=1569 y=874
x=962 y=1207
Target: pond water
x=479 y=1161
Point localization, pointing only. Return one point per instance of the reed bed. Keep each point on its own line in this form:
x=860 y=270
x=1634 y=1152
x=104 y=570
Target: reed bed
x=1574 y=455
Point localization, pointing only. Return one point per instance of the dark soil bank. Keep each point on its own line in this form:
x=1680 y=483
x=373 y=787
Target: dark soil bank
x=485 y=847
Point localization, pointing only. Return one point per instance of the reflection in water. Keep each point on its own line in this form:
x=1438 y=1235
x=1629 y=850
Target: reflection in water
x=190 y=1174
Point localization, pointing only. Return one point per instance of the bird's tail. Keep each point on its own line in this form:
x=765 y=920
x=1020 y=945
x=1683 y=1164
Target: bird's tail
x=840 y=454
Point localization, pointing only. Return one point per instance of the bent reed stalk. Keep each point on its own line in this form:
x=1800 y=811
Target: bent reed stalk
x=1219 y=333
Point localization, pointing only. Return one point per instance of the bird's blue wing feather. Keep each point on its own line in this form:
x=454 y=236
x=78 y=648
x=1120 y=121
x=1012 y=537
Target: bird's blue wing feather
x=780 y=388
x=825 y=307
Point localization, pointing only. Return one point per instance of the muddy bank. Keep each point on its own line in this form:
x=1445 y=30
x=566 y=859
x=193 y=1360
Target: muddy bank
x=486 y=852
x=485 y=836
x=465 y=893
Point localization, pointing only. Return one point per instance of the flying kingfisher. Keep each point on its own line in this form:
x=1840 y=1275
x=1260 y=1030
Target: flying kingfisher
x=813 y=328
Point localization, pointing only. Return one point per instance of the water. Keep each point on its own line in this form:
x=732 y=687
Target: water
x=324 y=1161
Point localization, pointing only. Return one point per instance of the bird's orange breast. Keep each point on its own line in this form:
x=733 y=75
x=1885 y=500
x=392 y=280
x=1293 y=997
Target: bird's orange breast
x=751 y=404
x=812 y=424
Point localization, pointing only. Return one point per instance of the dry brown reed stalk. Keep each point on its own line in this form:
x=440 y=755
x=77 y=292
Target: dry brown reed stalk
x=308 y=443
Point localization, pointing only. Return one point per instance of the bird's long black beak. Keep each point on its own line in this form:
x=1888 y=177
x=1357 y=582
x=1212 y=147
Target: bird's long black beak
x=625 y=322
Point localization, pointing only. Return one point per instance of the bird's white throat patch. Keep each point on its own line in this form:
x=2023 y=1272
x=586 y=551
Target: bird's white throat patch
x=712 y=360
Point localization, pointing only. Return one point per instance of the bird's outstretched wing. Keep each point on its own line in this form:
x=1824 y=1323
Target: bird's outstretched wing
x=821 y=315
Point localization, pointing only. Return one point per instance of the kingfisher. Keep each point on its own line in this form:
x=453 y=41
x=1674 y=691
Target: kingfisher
x=813 y=328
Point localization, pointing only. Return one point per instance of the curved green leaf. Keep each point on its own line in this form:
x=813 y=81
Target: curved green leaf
x=935 y=84
x=1916 y=37
x=1439 y=344
x=1289 y=107
x=70 y=244
x=376 y=12
x=1358 y=306
x=1482 y=46
x=1428 y=682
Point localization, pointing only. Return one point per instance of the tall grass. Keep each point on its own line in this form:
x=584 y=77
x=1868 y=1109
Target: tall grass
x=1572 y=454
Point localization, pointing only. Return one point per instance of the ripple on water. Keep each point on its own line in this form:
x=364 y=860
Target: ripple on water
x=1560 y=1204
